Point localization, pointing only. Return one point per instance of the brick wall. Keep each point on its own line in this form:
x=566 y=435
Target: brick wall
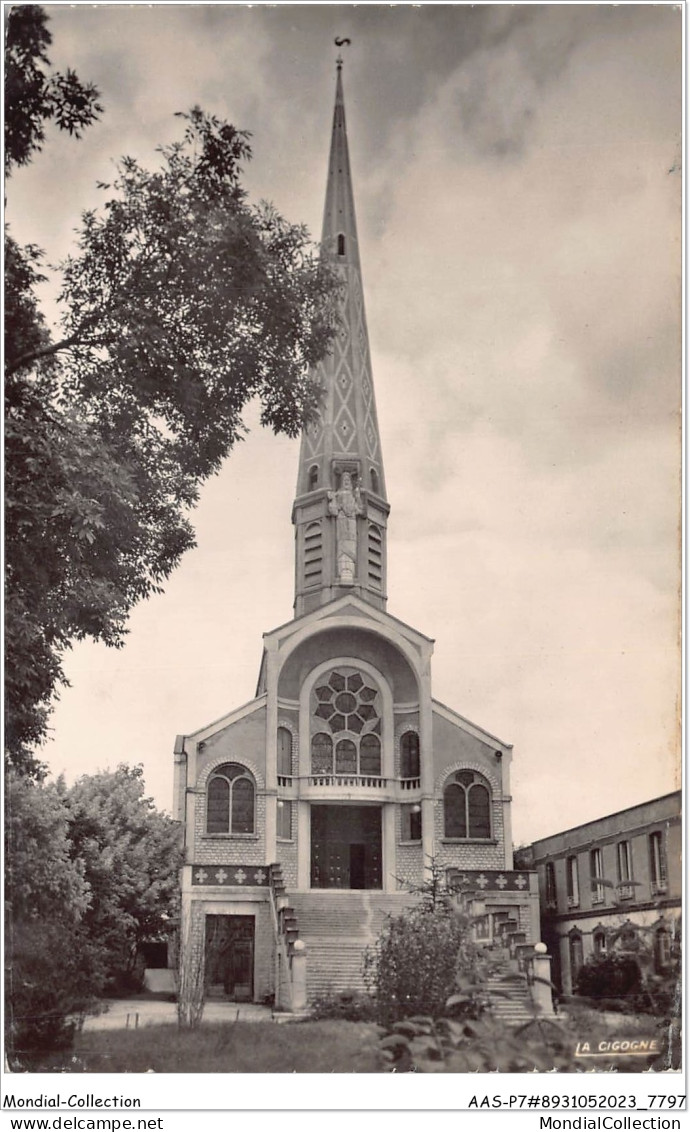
x=470 y=854
x=409 y=859
x=221 y=849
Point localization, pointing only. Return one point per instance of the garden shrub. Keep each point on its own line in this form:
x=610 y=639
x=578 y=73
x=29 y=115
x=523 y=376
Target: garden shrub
x=422 y=958
x=615 y=976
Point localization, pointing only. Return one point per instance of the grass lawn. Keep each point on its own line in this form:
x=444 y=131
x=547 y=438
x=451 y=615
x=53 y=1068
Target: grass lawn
x=238 y=1047
x=351 y=1047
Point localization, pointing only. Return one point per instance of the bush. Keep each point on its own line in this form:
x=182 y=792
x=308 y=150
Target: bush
x=422 y=958
x=615 y=976
x=51 y=980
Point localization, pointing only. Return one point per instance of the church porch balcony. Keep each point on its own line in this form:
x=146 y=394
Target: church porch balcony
x=360 y=787
x=344 y=787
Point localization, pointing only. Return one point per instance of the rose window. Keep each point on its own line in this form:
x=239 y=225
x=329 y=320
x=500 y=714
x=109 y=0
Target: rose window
x=345 y=726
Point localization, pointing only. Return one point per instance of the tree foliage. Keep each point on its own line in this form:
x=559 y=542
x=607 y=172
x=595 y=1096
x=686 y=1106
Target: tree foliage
x=52 y=968
x=183 y=303
x=130 y=855
x=33 y=96
x=92 y=874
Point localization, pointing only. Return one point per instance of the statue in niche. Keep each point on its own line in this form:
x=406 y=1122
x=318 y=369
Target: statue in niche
x=346 y=505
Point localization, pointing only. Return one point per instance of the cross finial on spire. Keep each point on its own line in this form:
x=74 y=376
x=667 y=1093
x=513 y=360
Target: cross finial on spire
x=339 y=41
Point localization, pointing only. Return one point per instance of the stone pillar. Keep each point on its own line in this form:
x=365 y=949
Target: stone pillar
x=429 y=846
x=426 y=752
x=388 y=846
x=541 y=988
x=299 y=976
x=303 y=846
x=271 y=749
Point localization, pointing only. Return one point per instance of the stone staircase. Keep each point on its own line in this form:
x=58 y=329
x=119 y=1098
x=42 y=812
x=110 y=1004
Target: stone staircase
x=337 y=927
x=516 y=1008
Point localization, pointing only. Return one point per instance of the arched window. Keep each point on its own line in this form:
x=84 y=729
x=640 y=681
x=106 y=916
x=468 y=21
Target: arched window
x=374 y=480
x=467 y=807
x=341 y=244
x=313 y=477
x=370 y=755
x=284 y=752
x=321 y=754
x=345 y=757
x=230 y=800
x=599 y=942
x=409 y=755
x=349 y=707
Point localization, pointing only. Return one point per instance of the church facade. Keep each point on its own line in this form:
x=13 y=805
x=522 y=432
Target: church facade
x=317 y=808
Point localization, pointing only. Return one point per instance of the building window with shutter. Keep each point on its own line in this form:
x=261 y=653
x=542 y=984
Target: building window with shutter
x=657 y=861
x=313 y=555
x=375 y=556
x=596 y=872
x=624 y=866
x=572 y=882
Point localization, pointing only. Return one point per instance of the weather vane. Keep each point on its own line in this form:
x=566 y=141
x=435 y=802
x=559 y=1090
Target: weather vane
x=339 y=41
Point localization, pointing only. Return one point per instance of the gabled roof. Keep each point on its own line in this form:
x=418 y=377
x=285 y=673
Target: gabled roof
x=348 y=606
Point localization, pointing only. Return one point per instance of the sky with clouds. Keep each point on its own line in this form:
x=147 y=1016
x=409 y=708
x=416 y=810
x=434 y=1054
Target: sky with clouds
x=517 y=185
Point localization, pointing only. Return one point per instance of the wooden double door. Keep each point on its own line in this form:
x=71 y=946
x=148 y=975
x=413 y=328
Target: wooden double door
x=346 y=847
x=230 y=957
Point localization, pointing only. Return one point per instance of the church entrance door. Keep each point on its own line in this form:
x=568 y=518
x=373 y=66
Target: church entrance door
x=230 y=957
x=346 y=847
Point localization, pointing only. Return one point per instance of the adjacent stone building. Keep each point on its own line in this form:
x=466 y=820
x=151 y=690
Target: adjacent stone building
x=613 y=884
x=314 y=809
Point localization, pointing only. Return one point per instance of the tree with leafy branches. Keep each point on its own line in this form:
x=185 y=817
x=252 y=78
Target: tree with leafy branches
x=34 y=95
x=182 y=303
x=53 y=967
x=130 y=855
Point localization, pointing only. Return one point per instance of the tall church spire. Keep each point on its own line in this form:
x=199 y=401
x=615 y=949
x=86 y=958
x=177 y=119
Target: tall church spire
x=340 y=510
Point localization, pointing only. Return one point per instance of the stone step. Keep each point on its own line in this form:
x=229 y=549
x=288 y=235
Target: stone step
x=337 y=927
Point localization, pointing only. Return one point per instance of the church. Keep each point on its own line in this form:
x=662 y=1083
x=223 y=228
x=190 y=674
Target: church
x=316 y=809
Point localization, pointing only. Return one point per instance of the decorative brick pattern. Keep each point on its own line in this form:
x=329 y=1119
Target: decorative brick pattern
x=218 y=876
x=479 y=880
